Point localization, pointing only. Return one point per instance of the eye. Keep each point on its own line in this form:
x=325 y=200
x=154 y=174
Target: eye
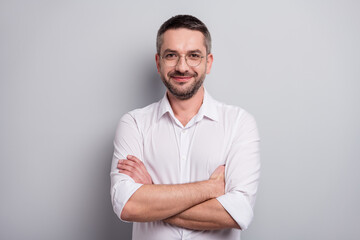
x=194 y=56
x=170 y=56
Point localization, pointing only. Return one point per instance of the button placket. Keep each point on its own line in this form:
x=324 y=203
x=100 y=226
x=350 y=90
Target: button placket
x=183 y=150
x=182 y=145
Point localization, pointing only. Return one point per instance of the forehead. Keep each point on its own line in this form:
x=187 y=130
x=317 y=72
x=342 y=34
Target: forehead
x=183 y=40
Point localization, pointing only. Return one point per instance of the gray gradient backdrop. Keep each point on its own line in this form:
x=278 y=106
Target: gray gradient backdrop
x=70 y=69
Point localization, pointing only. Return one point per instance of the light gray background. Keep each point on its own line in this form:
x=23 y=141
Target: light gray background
x=70 y=69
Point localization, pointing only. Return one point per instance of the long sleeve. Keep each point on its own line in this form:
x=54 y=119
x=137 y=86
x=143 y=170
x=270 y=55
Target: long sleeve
x=242 y=171
x=127 y=141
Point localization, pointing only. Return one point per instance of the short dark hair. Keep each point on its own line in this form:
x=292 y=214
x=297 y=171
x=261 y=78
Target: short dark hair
x=184 y=21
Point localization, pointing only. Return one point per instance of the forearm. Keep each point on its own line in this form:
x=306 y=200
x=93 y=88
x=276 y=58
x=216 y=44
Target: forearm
x=209 y=215
x=158 y=202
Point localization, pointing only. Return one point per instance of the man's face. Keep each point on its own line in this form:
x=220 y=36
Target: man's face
x=182 y=80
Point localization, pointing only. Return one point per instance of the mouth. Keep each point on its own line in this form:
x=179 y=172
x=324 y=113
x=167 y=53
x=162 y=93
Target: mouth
x=181 y=79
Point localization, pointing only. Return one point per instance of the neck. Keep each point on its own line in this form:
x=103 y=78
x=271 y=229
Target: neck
x=185 y=110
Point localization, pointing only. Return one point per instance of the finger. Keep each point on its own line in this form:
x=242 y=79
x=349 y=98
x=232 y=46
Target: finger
x=141 y=167
x=130 y=163
x=138 y=161
x=128 y=172
x=131 y=174
x=138 y=178
x=133 y=158
x=137 y=168
x=125 y=162
x=120 y=162
x=137 y=174
x=126 y=167
x=132 y=167
x=125 y=172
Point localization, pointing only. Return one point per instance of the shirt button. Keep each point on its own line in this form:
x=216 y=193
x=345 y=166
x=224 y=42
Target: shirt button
x=183 y=131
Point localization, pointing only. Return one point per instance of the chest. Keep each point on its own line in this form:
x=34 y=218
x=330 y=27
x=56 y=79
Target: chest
x=180 y=156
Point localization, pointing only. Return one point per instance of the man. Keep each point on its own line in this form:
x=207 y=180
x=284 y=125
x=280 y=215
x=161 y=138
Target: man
x=186 y=167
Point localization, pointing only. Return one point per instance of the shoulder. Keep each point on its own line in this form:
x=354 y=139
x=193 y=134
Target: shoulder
x=238 y=124
x=231 y=114
x=141 y=116
x=235 y=121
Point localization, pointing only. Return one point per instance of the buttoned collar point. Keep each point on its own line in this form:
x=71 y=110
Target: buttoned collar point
x=165 y=107
x=208 y=108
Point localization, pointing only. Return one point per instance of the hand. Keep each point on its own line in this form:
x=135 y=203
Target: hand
x=171 y=220
x=218 y=178
x=135 y=169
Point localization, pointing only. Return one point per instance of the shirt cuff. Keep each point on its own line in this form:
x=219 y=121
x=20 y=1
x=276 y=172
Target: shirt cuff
x=237 y=205
x=121 y=192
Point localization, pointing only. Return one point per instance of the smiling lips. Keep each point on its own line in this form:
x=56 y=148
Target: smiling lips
x=181 y=78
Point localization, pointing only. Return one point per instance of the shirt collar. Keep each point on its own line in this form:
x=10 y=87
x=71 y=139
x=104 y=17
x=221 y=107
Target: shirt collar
x=208 y=108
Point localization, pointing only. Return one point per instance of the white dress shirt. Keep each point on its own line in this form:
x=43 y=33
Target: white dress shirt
x=218 y=134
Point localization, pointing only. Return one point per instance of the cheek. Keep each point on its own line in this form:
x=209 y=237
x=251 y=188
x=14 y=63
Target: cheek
x=159 y=68
x=163 y=73
x=203 y=70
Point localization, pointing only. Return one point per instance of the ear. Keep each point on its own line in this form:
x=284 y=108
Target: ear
x=157 y=60
x=210 y=59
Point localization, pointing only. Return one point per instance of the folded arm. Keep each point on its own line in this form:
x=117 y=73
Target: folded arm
x=186 y=205
x=190 y=205
x=209 y=215
x=135 y=198
x=157 y=202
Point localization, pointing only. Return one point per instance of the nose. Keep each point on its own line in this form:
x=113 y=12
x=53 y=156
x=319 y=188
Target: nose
x=181 y=65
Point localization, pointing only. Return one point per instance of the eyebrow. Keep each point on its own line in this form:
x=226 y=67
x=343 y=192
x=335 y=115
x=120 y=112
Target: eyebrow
x=174 y=51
